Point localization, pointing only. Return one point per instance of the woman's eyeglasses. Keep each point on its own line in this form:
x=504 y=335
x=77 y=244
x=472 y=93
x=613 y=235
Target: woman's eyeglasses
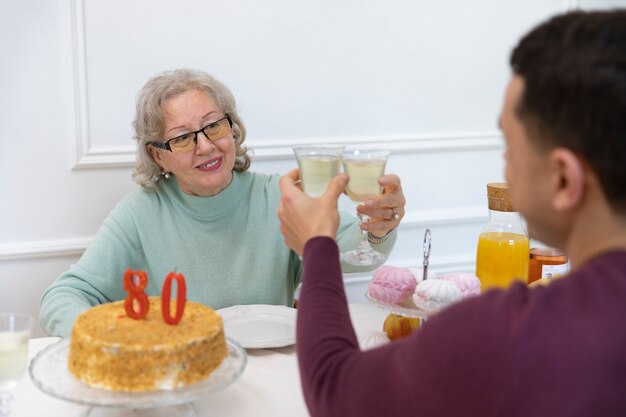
x=183 y=143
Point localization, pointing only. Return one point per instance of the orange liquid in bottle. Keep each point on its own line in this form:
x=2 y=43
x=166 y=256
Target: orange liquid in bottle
x=501 y=258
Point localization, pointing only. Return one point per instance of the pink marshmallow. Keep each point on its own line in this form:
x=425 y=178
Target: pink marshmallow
x=467 y=283
x=391 y=284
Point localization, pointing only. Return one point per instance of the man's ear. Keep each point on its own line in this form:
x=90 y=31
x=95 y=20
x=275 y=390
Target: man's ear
x=569 y=178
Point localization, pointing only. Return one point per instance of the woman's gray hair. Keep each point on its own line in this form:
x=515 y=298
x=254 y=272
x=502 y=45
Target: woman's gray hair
x=149 y=123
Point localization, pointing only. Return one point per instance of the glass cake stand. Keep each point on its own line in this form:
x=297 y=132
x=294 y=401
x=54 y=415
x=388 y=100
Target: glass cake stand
x=49 y=373
x=405 y=309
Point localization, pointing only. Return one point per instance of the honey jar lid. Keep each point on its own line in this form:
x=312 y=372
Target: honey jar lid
x=498 y=197
x=546 y=252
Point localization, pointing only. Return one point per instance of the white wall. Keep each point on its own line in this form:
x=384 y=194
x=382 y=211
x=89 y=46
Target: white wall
x=423 y=78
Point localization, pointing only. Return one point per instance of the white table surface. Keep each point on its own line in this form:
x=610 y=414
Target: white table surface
x=269 y=385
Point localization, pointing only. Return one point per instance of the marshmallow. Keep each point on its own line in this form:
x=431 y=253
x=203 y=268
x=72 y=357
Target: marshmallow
x=374 y=339
x=433 y=294
x=391 y=284
x=467 y=283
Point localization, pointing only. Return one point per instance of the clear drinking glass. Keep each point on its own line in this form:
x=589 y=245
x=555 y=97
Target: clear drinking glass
x=364 y=166
x=318 y=165
x=15 y=329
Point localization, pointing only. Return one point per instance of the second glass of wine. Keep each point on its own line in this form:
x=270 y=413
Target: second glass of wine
x=15 y=329
x=318 y=165
x=364 y=166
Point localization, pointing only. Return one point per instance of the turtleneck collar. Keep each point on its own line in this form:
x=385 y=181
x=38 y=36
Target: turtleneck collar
x=213 y=206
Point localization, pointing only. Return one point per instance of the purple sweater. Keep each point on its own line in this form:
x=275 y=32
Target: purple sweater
x=558 y=350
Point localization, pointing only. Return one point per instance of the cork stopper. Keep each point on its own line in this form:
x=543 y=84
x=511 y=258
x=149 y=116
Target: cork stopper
x=499 y=197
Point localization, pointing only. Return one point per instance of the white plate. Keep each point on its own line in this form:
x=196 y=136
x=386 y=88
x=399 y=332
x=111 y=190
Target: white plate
x=260 y=325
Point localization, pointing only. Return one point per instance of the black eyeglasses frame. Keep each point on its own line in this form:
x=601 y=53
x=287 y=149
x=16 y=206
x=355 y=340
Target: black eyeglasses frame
x=166 y=145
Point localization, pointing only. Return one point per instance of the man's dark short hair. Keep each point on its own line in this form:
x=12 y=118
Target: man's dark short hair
x=574 y=71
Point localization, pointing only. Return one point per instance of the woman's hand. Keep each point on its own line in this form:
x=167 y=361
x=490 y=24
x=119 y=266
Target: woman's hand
x=302 y=217
x=385 y=210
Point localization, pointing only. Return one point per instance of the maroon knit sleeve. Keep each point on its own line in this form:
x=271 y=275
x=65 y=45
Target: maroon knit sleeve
x=323 y=321
x=337 y=378
x=425 y=374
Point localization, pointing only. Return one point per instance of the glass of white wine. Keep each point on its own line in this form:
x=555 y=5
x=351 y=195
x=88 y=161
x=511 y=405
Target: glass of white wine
x=15 y=329
x=318 y=165
x=364 y=166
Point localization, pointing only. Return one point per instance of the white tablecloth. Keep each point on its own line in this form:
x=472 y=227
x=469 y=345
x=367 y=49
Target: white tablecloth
x=269 y=386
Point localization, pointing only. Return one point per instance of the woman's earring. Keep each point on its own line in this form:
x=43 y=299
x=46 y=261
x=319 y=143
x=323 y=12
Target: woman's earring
x=166 y=175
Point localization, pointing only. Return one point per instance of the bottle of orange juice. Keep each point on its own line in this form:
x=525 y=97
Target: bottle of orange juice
x=502 y=255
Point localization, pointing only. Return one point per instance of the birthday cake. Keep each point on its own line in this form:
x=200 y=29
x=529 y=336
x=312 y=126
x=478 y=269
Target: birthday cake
x=112 y=351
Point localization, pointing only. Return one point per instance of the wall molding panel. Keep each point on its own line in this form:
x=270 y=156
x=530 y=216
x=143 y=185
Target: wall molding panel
x=445 y=217
x=457 y=142
x=88 y=155
x=84 y=154
x=96 y=158
x=460 y=263
x=75 y=247
x=43 y=249
x=77 y=74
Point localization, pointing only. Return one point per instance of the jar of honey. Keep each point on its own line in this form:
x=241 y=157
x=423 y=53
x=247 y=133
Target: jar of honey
x=546 y=263
x=502 y=254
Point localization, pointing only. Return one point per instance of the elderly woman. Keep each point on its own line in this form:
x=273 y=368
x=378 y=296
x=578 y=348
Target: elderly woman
x=199 y=211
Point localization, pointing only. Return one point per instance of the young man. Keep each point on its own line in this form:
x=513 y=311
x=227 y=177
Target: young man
x=558 y=350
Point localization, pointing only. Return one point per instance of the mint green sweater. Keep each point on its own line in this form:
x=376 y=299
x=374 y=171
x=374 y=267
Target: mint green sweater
x=228 y=246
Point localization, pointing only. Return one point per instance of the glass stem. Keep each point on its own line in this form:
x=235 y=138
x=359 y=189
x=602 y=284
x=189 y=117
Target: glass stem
x=363 y=242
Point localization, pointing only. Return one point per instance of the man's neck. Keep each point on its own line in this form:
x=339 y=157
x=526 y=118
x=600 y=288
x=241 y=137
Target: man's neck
x=598 y=230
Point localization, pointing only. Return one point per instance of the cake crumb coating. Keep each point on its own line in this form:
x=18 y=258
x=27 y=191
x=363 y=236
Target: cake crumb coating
x=112 y=351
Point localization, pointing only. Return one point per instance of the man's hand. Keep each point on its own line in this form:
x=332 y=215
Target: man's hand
x=302 y=217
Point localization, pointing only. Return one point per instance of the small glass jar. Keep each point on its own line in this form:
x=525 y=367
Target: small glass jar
x=546 y=263
x=502 y=253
